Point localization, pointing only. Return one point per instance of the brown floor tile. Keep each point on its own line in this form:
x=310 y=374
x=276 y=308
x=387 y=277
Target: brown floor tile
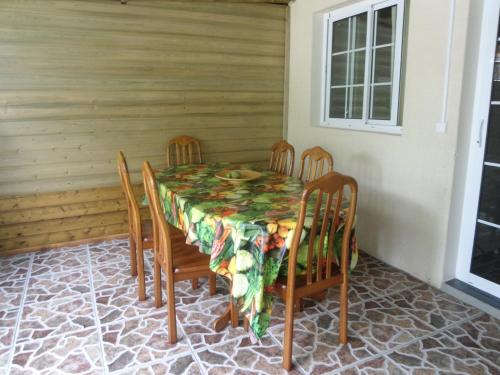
x=48 y=286
x=14 y=267
x=55 y=317
x=11 y=292
x=384 y=325
x=75 y=353
x=481 y=336
x=432 y=306
x=184 y=364
x=376 y=366
x=59 y=260
x=440 y=354
x=140 y=341
x=316 y=345
x=240 y=356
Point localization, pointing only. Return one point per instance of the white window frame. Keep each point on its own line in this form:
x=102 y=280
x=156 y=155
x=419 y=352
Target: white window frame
x=364 y=124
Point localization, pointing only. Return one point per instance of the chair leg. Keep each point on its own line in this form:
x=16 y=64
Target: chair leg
x=212 y=284
x=234 y=312
x=343 y=313
x=157 y=284
x=299 y=305
x=288 y=337
x=194 y=283
x=246 y=323
x=172 y=325
x=133 y=256
x=140 y=272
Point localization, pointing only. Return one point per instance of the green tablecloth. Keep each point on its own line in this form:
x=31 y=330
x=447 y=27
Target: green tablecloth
x=246 y=228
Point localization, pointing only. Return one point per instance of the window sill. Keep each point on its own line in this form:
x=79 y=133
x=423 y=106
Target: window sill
x=383 y=129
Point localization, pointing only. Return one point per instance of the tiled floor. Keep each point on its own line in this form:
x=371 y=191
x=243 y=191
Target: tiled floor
x=75 y=311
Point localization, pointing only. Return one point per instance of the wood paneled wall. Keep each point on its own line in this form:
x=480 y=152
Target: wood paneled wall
x=80 y=80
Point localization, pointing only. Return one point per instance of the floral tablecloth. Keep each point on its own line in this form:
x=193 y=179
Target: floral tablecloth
x=246 y=229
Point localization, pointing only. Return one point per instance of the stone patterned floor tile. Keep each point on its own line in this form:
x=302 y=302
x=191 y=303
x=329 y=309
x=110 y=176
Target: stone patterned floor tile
x=197 y=321
x=316 y=345
x=116 y=274
x=8 y=319
x=481 y=336
x=240 y=356
x=180 y=365
x=443 y=355
x=14 y=267
x=122 y=303
x=59 y=260
x=11 y=292
x=4 y=359
x=432 y=306
x=384 y=325
x=376 y=366
x=357 y=293
x=310 y=308
x=186 y=295
x=54 y=317
x=381 y=279
x=140 y=341
x=48 y=286
x=75 y=353
x=110 y=252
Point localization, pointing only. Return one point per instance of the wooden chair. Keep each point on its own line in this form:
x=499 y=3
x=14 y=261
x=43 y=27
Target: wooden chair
x=178 y=260
x=183 y=150
x=316 y=158
x=282 y=158
x=322 y=272
x=140 y=231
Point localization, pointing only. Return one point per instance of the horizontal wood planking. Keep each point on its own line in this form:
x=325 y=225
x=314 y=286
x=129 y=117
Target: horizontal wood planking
x=81 y=80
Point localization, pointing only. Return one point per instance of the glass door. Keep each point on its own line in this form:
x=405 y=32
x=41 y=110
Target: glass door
x=479 y=257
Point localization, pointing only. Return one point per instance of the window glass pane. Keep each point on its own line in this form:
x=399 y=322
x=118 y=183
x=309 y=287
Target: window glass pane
x=358 y=60
x=492 y=154
x=340 y=35
x=339 y=70
x=382 y=70
x=360 y=35
x=385 y=25
x=486 y=254
x=381 y=102
x=489 y=202
x=357 y=102
x=337 y=102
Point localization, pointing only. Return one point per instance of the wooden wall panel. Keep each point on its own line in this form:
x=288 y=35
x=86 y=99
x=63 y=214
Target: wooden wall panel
x=80 y=80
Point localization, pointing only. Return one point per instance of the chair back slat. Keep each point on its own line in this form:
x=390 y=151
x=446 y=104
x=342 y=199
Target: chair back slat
x=282 y=158
x=312 y=238
x=324 y=227
x=132 y=205
x=183 y=150
x=327 y=195
x=312 y=164
x=164 y=245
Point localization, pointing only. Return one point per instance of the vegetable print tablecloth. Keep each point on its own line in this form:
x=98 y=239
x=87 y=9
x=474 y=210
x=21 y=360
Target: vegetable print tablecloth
x=246 y=229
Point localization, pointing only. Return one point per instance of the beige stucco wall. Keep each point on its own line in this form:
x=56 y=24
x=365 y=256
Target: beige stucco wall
x=405 y=180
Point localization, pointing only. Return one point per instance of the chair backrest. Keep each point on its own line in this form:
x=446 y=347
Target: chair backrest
x=183 y=150
x=315 y=158
x=134 y=216
x=282 y=158
x=161 y=231
x=327 y=193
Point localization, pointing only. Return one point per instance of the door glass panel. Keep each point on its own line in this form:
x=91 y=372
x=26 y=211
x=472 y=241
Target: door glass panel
x=492 y=153
x=357 y=102
x=486 y=253
x=489 y=201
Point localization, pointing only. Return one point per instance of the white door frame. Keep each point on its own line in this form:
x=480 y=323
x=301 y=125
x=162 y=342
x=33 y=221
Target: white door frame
x=487 y=48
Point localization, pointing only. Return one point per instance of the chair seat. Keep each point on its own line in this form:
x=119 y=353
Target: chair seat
x=189 y=258
x=147 y=233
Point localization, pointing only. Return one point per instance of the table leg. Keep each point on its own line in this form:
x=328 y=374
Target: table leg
x=230 y=315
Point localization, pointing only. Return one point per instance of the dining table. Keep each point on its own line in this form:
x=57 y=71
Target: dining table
x=247 y=228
